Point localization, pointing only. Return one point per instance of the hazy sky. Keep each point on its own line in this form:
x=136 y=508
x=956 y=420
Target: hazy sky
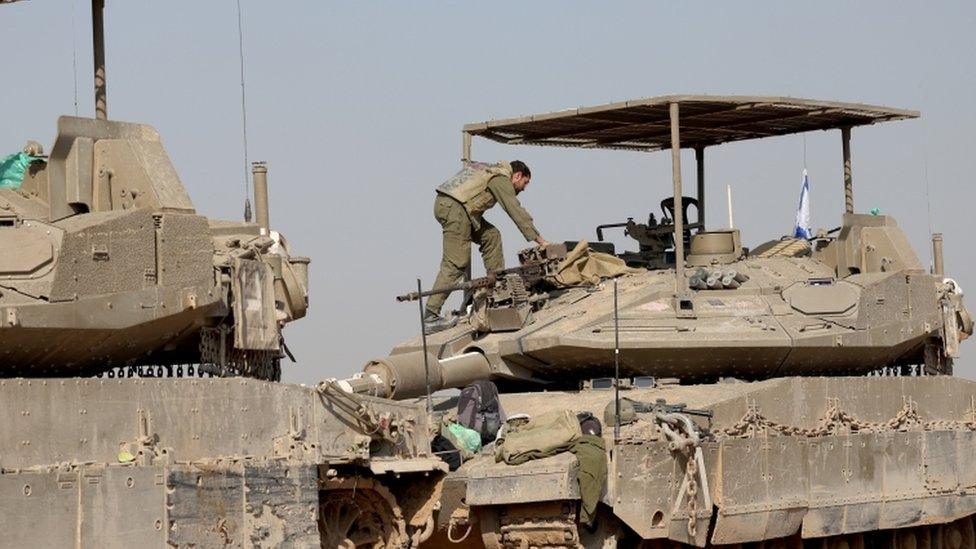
x=357 y=108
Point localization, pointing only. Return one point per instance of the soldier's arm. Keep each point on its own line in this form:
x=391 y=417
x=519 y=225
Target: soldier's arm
x=503 y=190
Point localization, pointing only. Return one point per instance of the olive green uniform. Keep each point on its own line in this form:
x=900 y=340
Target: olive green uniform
x=459 y=208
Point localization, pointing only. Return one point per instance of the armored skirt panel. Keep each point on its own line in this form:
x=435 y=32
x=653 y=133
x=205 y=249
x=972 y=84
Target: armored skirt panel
x=204 y=463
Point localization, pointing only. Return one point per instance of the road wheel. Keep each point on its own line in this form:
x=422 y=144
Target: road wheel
x=365 y=516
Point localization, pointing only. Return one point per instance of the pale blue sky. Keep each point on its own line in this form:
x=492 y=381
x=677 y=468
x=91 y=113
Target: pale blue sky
x=357 y=108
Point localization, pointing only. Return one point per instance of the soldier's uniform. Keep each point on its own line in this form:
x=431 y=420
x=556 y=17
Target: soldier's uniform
x=459 y=207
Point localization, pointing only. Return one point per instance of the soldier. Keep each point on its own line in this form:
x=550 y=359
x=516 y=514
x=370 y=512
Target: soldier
x=460 y=204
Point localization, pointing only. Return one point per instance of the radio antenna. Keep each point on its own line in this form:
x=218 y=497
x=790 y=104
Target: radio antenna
x=616 y=366
x=240 y=50
x=423 y=339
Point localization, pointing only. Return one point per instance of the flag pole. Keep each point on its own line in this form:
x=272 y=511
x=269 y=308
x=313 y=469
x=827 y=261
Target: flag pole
x=728 y=192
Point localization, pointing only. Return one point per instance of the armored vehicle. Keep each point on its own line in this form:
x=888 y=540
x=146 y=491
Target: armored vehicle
x=797 y=439
x=106 y=269
x=106 y=263
x=851 y=300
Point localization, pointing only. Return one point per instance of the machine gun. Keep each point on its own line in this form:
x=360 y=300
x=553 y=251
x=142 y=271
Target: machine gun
x=535 y=264
x=661 y=406
x=502 y=298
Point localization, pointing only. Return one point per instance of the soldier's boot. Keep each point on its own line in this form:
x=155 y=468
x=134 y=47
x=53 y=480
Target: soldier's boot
x=434 y=323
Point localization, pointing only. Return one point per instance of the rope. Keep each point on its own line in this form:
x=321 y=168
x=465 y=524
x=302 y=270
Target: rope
x=240 y=46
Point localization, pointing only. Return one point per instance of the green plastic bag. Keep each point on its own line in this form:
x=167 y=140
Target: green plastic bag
x=12 y=169
x=469 y=438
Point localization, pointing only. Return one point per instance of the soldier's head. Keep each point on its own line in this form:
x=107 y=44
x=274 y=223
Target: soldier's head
x=521 y=174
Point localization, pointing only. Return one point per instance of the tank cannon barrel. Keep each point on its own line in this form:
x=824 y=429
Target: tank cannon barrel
x=402 y=376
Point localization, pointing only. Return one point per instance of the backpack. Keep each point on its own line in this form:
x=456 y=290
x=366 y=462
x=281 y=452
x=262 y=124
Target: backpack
x=479 y=409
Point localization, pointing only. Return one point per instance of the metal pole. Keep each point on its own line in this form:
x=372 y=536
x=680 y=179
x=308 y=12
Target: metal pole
x=423 y=338
x=700 y=161
x=938 y=268
x=680 y=283
x=465 y=147
x=616 y=366
x=845 y=135
x=98 y=46
x=728 y=194
x=465 y=158
x=259 y=172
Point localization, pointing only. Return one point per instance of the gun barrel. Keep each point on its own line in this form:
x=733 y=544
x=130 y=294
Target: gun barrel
x=472 y=284
x=403 y=376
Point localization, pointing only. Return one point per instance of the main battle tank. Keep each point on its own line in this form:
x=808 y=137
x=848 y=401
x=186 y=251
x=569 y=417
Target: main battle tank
x=846 y=301
x=106 y=268
x=793 y=394
x=106 y=264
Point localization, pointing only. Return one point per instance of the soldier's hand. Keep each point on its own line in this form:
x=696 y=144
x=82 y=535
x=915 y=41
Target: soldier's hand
x=542 y=242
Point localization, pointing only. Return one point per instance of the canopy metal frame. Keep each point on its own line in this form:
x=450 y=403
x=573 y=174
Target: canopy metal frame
x=686 y=121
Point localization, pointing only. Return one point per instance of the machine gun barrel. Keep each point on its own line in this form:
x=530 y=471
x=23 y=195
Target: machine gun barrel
x=473 y=284
x=530 y=272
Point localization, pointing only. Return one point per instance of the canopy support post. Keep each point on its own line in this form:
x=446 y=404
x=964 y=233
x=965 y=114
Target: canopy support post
x=98 y=47
x=845 y=135
x=680 y=283
x=700 y=162
x=465 y=147
x=465 y=159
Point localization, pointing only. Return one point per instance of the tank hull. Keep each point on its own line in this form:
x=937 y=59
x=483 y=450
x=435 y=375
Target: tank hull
x=792 y=461
x=205 y=463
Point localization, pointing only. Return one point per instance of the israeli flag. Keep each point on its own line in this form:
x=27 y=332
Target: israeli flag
x=802 y=228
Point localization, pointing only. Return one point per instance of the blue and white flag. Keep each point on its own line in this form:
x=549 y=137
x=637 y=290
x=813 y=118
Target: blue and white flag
x=802 y=227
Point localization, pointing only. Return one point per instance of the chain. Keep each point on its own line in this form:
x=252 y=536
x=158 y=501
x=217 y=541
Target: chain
x=684 y=437
x=691 y=473
x=835 y=419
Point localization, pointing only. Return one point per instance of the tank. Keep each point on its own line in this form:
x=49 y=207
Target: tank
x=107 y=264
x=110 y=281
x=795 y=393
x=846 y=301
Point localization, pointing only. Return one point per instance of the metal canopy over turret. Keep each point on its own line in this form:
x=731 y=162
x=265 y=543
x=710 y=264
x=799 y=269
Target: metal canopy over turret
x=686 y=121
x=644 y=124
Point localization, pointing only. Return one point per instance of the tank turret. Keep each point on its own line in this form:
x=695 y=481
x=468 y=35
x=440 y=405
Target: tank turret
x=106 y=263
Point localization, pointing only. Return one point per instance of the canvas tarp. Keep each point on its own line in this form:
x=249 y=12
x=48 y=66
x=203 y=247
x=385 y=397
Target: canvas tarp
x=584 y=266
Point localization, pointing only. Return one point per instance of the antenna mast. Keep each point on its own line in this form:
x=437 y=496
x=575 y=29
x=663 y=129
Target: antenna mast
x=98 y=47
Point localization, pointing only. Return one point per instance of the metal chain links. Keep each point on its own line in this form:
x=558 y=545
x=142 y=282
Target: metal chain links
x=684 y=437
x=753 y=423
x=835 y=419
x=691 y=474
